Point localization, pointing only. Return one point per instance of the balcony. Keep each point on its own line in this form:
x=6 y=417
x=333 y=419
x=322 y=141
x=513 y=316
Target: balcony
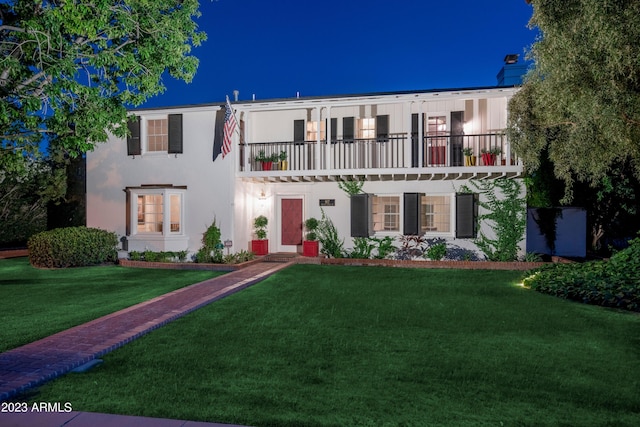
x=394 y=157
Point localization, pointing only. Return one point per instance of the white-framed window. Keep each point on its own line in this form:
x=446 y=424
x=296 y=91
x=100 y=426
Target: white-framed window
x=312 y=131
x=156 y=210
x=435 y=214
x=385 y=211
x=157 y=137
x=367 y=128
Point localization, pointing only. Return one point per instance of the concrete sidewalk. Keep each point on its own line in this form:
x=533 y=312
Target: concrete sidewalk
x=91 y=419
x=40 y=361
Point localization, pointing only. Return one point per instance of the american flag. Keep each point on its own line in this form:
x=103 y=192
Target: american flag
x=229 y=126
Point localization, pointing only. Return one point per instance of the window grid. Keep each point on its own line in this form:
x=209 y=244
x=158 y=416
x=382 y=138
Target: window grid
x=386 y=213
x=436 y=214
x=150 y=213
x=367 y=128
x=157 y=135
x=312 y=131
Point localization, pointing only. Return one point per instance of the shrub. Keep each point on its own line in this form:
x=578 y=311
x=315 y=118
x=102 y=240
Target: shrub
x=362 y=248
x=72 y=247
x=437 y=249
x=332 y=245
x=613 y=283
x=385 y=247
x=211 y=250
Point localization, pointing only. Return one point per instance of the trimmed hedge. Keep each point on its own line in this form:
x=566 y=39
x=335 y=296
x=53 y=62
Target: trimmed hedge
x=613 y=283
x=72 y=247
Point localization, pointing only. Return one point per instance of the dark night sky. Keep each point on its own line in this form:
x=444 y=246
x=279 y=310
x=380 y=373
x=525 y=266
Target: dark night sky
x=277 y=48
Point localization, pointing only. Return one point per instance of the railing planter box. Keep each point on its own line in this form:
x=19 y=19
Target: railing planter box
x=260 y=247
x=469 y=160
x=310 y=248
x=266 y=166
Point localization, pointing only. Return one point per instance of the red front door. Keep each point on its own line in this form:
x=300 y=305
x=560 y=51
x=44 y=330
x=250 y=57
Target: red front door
x=290 y=224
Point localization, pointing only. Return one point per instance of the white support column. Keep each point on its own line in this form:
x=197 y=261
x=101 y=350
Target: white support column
x=328 y=164
x=318 y=139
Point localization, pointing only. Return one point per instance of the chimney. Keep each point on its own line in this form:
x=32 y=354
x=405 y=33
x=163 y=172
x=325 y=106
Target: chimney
x=235 y=95
x=512 y=72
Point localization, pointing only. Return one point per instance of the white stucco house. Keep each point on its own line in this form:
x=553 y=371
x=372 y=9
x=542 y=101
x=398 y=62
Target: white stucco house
x=160 y=189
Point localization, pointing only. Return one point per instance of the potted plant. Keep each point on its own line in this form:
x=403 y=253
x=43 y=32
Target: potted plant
x=489 y=156
x=264 y=160
x=310 y=246
x=260 y=246
x=469 y=158
x=495 y=151
x=283 y=160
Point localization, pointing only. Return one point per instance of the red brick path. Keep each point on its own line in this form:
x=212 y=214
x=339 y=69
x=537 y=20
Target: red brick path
x=40 y=361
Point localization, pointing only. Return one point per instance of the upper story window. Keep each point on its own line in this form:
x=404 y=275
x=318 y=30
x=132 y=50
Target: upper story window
x=154 y=134
x=312 y=131
x=367 y=128
x=157 y=134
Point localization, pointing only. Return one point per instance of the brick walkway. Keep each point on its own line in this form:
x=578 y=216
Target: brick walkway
x=40 y=361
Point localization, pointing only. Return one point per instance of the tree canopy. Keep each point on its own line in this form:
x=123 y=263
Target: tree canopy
x=581 y=101
x=69 y=68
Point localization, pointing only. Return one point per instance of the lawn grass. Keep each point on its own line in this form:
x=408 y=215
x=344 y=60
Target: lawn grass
x=373 y=346
x=35 y=303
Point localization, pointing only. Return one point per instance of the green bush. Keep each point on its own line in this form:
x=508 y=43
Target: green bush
x=332 y=245
x=613 y=283
x=72 y=247
x=437 y=251
x=211 y=250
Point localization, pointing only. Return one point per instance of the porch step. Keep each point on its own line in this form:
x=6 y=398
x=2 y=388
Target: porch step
x=280 y=257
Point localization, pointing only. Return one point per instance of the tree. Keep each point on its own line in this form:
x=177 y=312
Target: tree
x=24 y=198
x=69 y=68
x=581 y=101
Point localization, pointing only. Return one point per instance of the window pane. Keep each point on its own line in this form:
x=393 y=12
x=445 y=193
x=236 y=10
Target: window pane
x=150 y=213
x=436 y=214
x=157 y=135
x=386 y=213
x=175 y=212
x=367 y=128
x=312 y=131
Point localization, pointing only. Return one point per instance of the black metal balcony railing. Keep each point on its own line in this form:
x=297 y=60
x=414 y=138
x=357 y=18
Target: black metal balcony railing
x=394 y=151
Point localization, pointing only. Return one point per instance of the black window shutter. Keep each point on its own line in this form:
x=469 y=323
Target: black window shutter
x=348 y=125
x=175 y=133
x=466 y=215
x=133 y=139
x=360 y=215
x=412 y=214
x=382 y=128
x=127 y=229
x=334 y=129
x=414 y=140
x=298 y=130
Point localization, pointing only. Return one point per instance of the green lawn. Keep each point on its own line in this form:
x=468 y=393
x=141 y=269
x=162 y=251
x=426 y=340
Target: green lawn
x=369 y=346
x=35 y=303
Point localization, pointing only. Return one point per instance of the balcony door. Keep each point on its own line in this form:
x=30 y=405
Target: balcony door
x=290 y=220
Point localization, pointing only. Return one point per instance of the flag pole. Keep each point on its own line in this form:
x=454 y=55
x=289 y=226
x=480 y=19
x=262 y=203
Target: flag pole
x=237 y=129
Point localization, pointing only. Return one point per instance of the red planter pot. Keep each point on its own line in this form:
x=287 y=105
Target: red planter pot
x=310 y=248
x=266 y=166
x=260 y=247
x=488 y=159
